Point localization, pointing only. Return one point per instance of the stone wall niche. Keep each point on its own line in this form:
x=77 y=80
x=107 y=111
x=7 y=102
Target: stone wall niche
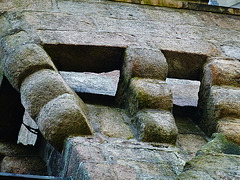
x=91 y=71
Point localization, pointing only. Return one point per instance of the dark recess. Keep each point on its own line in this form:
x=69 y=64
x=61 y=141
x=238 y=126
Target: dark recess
x=184 y=65
x=83 y=58
x=11 y=112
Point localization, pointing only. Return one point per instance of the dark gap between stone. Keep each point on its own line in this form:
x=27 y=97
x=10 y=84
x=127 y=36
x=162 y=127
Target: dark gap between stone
x=183 y=65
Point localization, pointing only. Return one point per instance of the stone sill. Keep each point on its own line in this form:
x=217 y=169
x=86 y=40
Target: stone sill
x=185 y=5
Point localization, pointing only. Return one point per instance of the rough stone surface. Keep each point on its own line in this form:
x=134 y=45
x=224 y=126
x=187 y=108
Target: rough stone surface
x=208 y=164
x=23 y=165
x=111 y=122
x=93 y=83
x=220 y=145
x=222 y=102
x=222 y=72
x=145 y=63
x=13 y=149
x=118 y=159
x=40 y=88
x=184 y=36
x=189 y=144
x=25 y=4
x=185 y=92
x=60 y=118
x=232 y=51
x=149 y=93
x=230 y=128
x=25 y=60
x=12 y=42
x=156 y=126
x=25 y=136
x=5 y=26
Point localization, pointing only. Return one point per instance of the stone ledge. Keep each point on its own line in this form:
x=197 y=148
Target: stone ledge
x=119 y=159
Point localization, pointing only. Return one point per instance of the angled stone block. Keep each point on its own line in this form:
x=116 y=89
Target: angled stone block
x=63 y=117
x=26 y=60
x=150 y=94
x=156 y=126
x=222 y=102
x=222 y=72
x=40 y=88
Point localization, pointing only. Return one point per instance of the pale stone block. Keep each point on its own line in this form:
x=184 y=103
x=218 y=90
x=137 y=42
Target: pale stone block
x=156 y=126
x=25 y=136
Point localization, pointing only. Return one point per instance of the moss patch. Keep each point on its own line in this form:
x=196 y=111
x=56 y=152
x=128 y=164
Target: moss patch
x=221 y=145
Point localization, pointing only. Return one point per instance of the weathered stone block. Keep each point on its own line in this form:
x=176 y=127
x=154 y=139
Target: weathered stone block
x=12 y=42
x=62 y=117
x=15 y=5
x=149 y=93
x=23 y=165
x=222 y=102
x=26 y=60
x=113 y=123
x=208 y=164
x=156 y=126
x=103 y=171
x=97 y=158
x=222 y=72
x=220 y=145
x=145 y=63
x=93 y=83
x=230 y=128
x=140 y=62
x=40 y=88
